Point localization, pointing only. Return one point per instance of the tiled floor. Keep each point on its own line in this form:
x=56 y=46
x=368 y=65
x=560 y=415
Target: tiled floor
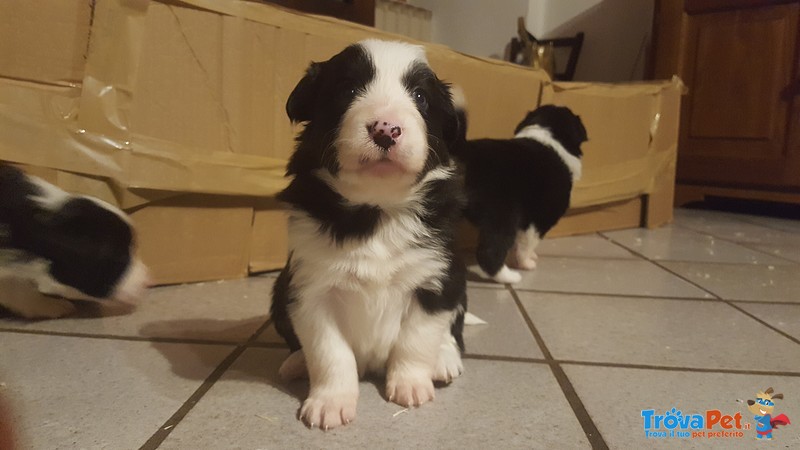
x=698 y=316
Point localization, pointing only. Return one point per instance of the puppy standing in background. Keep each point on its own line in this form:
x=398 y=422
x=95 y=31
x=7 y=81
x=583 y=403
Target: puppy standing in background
x=56 y=246
x=517 y=189
x=372 y=283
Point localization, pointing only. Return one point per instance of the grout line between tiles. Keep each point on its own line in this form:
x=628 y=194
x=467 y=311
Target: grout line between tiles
x=164 y=430
x=661 y=266
x=762 y=322
x=516 y=359
x=575 y=362
x=606 y=294
x=589 y=428
x=746 y=245
x=168 y=340
x=679 y=369
x=720 y=299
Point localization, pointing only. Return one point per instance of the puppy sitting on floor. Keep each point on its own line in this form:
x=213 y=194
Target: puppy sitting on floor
x=56 y=246
x=518 y=189
x=372 y=284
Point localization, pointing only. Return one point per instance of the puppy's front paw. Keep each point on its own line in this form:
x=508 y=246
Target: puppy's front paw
x=329 y=410
x=409 y=390
x=526 y=264
x=506 y=275
x=448 y=365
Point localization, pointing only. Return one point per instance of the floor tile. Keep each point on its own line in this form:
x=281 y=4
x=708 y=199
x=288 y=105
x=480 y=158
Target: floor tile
x=783 y=317
x=505 y=334
x=682 y=244
x=225 y=311
x=68 y=392
x=736 y=227
x=618 y=276
x=743 y=282
x=791 y=226
x=790 y=251
x=616 y=407
x=585 y=246
x=677 y=333
x=497 y=404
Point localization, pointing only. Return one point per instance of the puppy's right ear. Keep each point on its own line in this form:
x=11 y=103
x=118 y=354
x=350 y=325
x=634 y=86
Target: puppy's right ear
x=300 y=106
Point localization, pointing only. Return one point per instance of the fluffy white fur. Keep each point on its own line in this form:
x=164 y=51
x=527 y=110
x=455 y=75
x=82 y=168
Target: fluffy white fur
x=544 y=136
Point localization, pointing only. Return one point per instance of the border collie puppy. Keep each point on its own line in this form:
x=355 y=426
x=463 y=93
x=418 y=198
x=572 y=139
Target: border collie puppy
x=56 y=246
x=372 y=284
x=518 y=189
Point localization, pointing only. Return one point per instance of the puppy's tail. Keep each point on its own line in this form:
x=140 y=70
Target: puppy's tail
x=460 y=104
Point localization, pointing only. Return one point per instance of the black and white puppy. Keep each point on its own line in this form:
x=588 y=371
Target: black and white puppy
x=56 y=246
x=372 y=284
x=518 y=189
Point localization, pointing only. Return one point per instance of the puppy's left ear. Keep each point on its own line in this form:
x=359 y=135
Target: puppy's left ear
x=579 y=130
x=300 y=106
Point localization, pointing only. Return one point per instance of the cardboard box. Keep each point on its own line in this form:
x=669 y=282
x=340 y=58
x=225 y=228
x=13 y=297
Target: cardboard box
x=174 y=110
x=631 y=153
x=141 y=102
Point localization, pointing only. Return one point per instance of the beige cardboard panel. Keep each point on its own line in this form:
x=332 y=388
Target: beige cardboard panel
x=625 y=154
x=111 y=68
x=38 y=127
x=248 y=92
x=613 y=216
x=44 y=40
x=194 y=239
x=665 y=142
x=269 y=246
x=492 y=113
x=178 y=95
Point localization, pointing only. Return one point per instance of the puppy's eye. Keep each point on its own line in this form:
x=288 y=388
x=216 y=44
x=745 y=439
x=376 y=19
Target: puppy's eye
x=420 y=99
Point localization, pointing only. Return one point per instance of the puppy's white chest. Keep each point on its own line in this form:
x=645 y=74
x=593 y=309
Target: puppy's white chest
x=395 y=257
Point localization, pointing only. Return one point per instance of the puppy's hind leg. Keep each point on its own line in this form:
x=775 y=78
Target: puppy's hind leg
x=525 y=249
x=495 y=241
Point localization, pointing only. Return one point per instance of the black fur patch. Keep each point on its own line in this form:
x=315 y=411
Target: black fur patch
x=87 y=245
x=312 y=195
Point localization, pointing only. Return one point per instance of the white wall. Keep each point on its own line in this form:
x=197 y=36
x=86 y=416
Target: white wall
x=617 y=31
x=476 y=27
x=617 y=34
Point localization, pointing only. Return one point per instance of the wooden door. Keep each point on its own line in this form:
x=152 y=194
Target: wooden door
x=739 y=124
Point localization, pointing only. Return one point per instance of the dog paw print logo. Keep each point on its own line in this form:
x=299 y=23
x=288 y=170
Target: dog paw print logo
x=762 y=408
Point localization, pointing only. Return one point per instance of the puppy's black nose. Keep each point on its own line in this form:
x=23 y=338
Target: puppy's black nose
x=384 y=133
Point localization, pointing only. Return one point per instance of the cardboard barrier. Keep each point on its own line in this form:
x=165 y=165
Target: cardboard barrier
x=174 y=111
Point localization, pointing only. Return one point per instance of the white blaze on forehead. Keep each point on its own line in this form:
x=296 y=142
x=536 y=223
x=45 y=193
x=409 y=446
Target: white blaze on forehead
x=392 y=59
x=384 y=98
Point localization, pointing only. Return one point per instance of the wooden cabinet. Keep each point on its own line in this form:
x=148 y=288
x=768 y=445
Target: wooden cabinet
x=740 y=121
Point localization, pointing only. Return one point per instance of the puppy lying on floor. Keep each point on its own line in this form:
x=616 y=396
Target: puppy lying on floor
x=518 y=189
x=56 y=246
x=373 y=283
